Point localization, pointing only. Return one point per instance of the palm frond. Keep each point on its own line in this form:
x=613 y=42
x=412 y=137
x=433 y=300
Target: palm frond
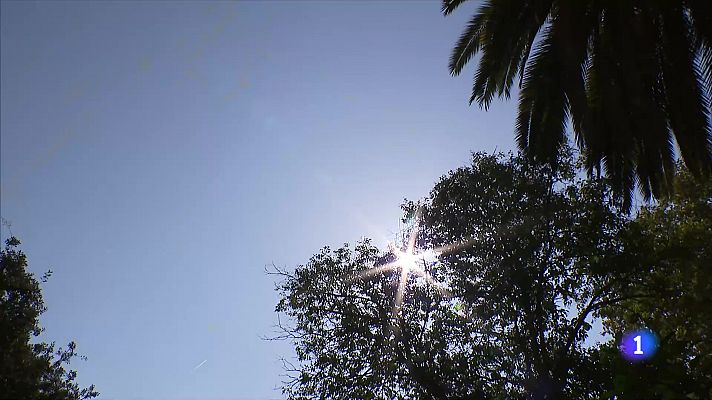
x=641 y=77
x=609 y=138
x=468 y=44
x=700 y=12
x=573 y=27
x=543 y=108
x=510 y=28
x=451 y=5
x=634 y=78
x=688 y=109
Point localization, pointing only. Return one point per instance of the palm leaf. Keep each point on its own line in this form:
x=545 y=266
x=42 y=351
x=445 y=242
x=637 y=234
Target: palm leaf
x=468 y=44
x=450 y=5
x=543 y=109
x=687 y=108
x=510 y=28
x=634 y=78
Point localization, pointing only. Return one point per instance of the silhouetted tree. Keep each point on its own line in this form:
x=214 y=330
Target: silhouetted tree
x=530 y=255
x=669 y=290
x=633 y=78
x=30 y=370
x=520 y=295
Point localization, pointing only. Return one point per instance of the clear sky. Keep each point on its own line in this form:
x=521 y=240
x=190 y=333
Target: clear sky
x=158 y=155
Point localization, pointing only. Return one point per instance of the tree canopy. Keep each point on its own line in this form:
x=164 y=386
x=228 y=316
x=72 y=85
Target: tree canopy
x=529 y=256
x=669 y=290
x=631 y=77
x=30 y=370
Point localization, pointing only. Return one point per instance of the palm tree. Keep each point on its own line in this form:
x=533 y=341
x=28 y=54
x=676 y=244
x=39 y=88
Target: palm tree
x=632 y=77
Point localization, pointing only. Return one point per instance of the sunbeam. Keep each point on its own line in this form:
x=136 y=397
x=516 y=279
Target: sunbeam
x=410 y=262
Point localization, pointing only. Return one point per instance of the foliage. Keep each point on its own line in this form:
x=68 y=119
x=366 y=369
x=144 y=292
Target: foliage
x=632 y=77
x=531 y=255
x=670 y=291
x=540 y=248
x=30 y=370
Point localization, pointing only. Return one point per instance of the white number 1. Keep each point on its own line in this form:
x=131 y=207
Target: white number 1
x=638 y=342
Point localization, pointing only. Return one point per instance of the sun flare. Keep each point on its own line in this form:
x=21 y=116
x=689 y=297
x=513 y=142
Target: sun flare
x=408 y=262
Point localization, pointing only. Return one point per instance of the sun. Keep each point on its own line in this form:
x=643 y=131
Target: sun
x=408 y=262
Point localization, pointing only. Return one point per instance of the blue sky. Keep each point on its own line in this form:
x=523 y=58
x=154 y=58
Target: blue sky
x=158 y=155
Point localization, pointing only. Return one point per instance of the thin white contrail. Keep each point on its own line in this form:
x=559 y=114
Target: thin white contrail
x=200 y=365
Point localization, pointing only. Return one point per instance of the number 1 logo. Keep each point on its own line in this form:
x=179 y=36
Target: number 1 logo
x=638 y=344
